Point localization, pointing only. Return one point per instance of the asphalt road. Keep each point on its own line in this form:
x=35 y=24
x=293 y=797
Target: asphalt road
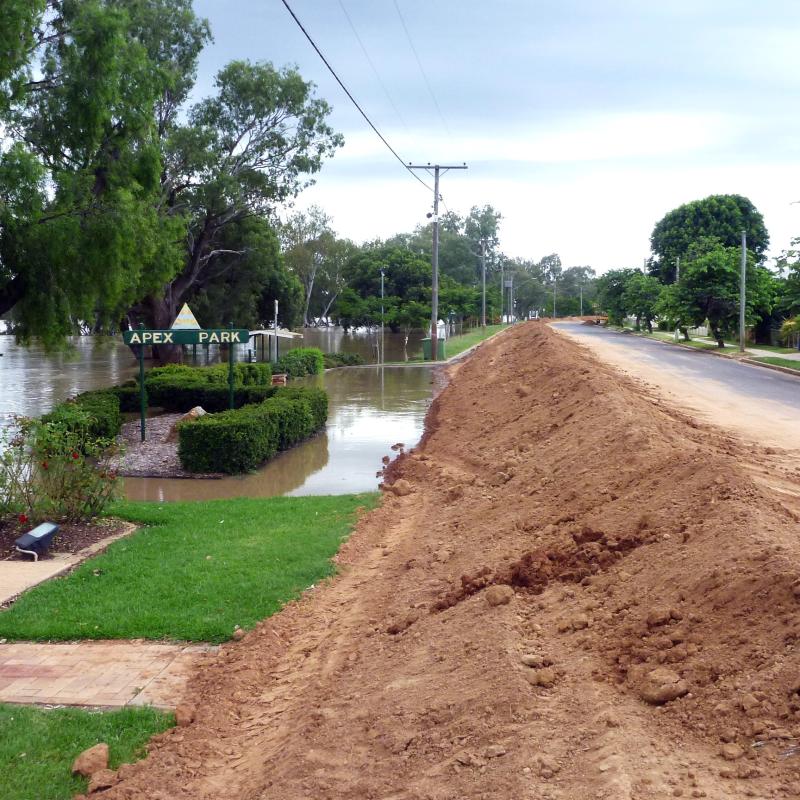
x=697 y=367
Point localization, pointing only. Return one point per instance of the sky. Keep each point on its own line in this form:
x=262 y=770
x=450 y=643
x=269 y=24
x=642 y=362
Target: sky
x=581 y=121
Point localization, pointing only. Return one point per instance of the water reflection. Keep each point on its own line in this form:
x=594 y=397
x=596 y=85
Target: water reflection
x=365 y=343
x=370 y=410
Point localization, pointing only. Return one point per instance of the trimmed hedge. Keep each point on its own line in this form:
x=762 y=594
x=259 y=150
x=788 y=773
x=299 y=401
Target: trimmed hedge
x=94 y=415
x=178 y=388
x=180 y=396
x=240 y=440
x=259 y=374
x=317 y=400
x=301 y=361
x=128 y=394
x=333 y=360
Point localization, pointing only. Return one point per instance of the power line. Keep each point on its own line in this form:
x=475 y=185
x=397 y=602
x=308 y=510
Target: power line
x=372 y=64
x=352 y=99
x=422 y=69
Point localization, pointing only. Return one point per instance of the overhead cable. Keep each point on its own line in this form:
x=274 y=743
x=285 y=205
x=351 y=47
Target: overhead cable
x=372 y=64
x=352 y=99
x=422 y=69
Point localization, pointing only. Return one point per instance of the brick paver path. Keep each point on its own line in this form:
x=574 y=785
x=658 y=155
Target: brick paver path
x=105 y=673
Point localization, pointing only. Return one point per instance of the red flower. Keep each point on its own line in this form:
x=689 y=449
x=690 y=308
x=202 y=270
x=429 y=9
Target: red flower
x=75 y=454
x=23 y=518
x=44 y=465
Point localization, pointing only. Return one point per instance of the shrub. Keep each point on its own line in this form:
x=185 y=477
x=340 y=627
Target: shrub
x=333 y=360
x=180 y=396
x=258 y=374
x=301 y=361
x=241 y=440
x=92 y=415
x=179 y=388
x=317 y=400
x=51 y=471
x=128 y=394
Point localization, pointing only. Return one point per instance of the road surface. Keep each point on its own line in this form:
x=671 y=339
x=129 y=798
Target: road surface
x=758 y=403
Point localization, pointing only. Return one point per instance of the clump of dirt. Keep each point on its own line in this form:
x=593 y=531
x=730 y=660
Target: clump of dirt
x=649 y=648
x=587 y=553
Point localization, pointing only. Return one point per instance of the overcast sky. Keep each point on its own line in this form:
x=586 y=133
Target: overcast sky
x=582 y=121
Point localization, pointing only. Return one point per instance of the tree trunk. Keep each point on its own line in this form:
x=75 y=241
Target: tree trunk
x=10 y=294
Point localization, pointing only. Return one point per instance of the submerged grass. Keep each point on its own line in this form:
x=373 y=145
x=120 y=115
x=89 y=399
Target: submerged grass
x=194 y=572
x=38 y=746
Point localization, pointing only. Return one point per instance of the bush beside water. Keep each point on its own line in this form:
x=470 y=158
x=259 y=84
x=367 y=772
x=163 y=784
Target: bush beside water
x=242 y=439
x=333 y=360
x=301 y=361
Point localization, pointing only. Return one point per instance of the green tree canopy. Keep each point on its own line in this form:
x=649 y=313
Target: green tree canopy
x=640 y=297
x=721 y=218
x=709 y=291
x=611 y=288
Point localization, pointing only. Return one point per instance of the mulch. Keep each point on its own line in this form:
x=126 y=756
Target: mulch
x=71 y=537
x=156 y=457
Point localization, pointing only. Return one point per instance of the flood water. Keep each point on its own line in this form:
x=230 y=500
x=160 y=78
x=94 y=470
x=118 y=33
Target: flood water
x=364 y=343
x=371 y=408
x=32 y=381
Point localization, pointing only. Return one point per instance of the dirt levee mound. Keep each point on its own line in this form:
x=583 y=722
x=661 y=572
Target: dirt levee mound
x=579 y=593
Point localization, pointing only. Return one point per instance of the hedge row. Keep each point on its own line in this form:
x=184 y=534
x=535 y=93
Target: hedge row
x=180 y=396
x=258 y=374
x=240 y=440
x=333 y=360
x=301 y=361
x=178 y=388
x=93 y=415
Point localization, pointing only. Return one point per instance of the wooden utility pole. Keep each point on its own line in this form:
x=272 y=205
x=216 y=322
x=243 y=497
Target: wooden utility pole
x=437 y=170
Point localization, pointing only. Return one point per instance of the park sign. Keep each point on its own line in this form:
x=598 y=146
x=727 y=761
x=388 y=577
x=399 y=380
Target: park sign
x=185 y=330
x=187 y=336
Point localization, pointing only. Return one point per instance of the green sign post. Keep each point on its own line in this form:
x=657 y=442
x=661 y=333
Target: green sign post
x=144 y=338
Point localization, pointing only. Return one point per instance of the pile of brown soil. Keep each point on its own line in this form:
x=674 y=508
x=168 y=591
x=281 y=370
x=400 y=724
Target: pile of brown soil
x=576 y=592
x=71 y=537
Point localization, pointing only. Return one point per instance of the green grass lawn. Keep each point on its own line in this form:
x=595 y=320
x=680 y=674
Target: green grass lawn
x=458 y=344
x=780 y=362
x=38 y=746
x=773 y=348
x=670 y=337
x=193 y=573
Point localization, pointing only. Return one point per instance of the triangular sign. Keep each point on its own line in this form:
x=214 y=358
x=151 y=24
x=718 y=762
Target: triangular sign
x=185 y=320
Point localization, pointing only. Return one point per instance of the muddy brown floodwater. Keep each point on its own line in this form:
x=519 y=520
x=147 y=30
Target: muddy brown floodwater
x=370 y=410
x=32 y=381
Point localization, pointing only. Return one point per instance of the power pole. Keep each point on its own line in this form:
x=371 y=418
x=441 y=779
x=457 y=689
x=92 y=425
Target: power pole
x=483 y=283
x=437 y=169
x=502 y=290
x=383 y=272
x=554 y=297
x=742 y=291
x=581 y=299
x=677 y=269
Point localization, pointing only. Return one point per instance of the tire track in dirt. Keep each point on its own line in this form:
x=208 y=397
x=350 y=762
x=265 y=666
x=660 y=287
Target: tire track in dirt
x=369 y=688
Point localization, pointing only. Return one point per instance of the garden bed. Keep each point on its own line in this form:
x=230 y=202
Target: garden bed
x=155 y=457
x=71 y=537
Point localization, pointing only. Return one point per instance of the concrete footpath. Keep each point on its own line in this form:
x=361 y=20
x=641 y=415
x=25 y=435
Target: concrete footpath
x=103 y=673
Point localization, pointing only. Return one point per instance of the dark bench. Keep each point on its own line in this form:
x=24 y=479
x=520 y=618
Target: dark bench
x=35 y=543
